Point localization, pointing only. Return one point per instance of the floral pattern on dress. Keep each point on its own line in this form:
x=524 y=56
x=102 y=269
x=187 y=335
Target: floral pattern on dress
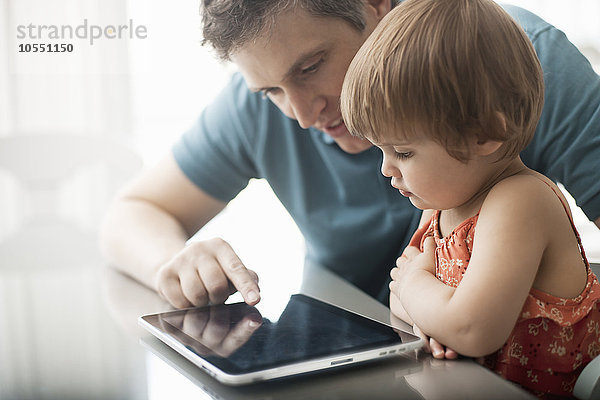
x=553 y=339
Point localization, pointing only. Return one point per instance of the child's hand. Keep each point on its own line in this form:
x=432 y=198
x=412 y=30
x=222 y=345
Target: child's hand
x=434 y=347
x=413 y=259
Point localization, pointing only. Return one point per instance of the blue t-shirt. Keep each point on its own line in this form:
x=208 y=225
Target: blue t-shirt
x=352 y=220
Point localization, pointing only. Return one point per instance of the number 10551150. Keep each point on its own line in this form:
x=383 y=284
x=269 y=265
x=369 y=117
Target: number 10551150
x=45 y=47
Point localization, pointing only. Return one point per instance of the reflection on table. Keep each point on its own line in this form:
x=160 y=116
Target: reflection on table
x=57 y=339
x=81 y=340
x=69 y=322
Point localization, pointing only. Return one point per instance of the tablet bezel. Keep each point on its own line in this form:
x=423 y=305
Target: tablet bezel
x=406 y=342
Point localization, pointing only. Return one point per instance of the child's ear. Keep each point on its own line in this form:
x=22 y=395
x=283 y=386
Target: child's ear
x=485 y=147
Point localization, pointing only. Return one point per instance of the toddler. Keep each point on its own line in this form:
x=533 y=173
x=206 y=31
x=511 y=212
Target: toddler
x=451 y=92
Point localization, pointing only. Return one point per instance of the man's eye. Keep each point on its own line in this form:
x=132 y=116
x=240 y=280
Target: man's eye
x=312 y=68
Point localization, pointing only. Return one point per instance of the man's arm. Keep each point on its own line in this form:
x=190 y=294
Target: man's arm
x=145 y=231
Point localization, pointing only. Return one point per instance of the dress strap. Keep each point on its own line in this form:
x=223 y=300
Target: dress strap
x=566 y=208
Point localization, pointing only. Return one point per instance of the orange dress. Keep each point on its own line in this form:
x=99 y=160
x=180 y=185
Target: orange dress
x=553 y=339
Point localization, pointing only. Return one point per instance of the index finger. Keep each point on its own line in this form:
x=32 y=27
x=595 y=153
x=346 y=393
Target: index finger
x=240 y=277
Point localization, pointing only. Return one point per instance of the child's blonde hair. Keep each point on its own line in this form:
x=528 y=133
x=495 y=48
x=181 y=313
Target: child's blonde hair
x=449 y=70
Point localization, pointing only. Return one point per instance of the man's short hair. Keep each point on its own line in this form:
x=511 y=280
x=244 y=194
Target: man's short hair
x=229 y=24
x=447 y=69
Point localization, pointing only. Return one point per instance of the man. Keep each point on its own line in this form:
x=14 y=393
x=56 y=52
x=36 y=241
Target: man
x=280 y=120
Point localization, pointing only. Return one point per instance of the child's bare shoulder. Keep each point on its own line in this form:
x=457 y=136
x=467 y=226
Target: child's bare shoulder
x=527 y=192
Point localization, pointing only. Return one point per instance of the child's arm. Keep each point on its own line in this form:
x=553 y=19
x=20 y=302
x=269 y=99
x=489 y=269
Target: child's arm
x=476 y=318
x=398 y=310
x=431 y=345
x=395 y=304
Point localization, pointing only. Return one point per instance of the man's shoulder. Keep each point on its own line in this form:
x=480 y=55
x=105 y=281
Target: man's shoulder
x=532 y=24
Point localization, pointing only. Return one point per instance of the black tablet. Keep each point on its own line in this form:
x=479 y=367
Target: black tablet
x=237 y=344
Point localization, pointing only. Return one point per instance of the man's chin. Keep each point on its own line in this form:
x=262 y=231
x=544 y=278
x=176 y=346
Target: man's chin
x=352 y=144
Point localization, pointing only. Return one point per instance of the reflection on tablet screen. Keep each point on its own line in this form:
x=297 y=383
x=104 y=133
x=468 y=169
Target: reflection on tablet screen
x=236 y=338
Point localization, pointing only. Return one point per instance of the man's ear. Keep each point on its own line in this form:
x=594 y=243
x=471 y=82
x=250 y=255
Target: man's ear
x=381 y=7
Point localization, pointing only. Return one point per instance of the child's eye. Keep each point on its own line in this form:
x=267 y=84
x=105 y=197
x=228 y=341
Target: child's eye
x=403 y=155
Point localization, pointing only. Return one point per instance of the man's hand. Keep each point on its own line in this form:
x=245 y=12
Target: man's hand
x=204 y=272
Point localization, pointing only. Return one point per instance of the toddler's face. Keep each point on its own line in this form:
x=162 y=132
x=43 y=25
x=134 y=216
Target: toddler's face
x=423 y=171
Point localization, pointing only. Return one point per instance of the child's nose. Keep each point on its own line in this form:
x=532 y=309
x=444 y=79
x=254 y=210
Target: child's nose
x=388 y=170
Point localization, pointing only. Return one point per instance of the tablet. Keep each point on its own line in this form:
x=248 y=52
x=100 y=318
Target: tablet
x=385 y=379
x=237 y=344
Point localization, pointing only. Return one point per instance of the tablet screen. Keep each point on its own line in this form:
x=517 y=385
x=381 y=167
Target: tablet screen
x=238 y=339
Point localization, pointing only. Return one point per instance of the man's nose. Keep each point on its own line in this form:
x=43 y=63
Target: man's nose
x=306 y=107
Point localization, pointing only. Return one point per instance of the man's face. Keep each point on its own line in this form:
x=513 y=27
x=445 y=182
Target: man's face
x=300 y=66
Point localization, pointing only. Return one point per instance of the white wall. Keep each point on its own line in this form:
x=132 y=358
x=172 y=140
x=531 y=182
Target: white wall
x=149 y=91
